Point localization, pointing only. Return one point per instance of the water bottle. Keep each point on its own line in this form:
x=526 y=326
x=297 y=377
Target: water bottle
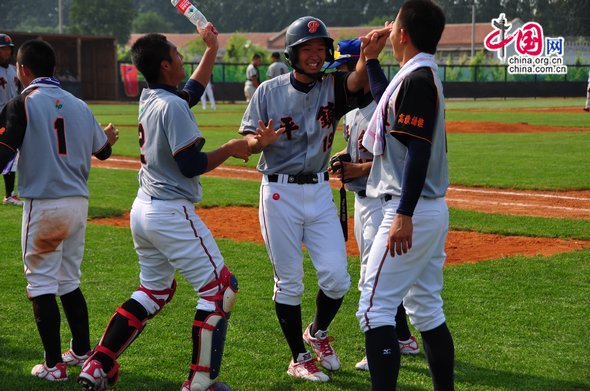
x=191 y=12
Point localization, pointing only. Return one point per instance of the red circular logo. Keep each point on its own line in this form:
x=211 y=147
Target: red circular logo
x=276 y=196
x=313 y=26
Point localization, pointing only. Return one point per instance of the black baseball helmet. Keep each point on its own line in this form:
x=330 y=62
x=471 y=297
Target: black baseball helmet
x=5 y=40
x=305 y=29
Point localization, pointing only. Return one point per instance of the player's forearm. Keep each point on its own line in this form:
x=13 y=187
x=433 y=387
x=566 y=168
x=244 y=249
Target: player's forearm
x=359 y=79
x=203 y=72
x=237 y=148
x=254 y=144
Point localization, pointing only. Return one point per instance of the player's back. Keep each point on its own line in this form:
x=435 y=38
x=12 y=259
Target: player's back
x=61 y=135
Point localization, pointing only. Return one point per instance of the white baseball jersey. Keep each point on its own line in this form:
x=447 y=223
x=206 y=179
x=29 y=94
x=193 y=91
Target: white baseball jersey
x=8 y=84
x=251 y=71
x=416 y=110
x=292 y=213
x=166 y=126
x=277 y=68
x=354 y=124
x=367 y=211
x=60 y=134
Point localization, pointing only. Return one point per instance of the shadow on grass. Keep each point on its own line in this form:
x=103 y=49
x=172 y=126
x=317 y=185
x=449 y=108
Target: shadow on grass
x=468 y=376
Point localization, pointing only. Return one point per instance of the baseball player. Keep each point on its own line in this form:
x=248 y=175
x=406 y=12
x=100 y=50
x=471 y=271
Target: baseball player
x=296 y=204
x=410 y=176
x=208 y=94
x=56 y=134
x=367 y=210
x=9 y=88
x=167 y=233
x=276 y=67
x=252 y=77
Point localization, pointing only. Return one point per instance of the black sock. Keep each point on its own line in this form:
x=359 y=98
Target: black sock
x=47 y=318
x=401 y=324
x=325 y=312
x=440 y=352
x=9 y=183
x=76 y=311
x=383 y=356
x=290 y=320
x=119 y=333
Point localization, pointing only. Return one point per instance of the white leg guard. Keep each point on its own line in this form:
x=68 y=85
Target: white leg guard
x=212 y=332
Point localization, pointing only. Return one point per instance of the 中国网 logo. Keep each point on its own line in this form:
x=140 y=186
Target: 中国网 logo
x=533 y=52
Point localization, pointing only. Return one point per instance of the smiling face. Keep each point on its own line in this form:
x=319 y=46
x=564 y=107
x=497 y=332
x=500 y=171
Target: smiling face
x=311 y=55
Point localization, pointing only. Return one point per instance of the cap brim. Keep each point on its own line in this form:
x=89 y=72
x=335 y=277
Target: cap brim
x=336 y=63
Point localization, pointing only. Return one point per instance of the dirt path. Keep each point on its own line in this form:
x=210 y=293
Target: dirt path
x=461 y=246
x=572 y=204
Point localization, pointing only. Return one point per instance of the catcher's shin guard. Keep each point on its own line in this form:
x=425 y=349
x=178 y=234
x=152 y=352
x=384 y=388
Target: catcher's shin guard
x=210 y=332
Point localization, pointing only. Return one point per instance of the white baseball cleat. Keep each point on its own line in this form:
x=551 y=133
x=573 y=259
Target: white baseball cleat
x=72 y=359
x=362 y=365
x=57 y=373
x=322 y=348
x=409 y=347
x=306 y=368
x=12 y=200
x=93 y=377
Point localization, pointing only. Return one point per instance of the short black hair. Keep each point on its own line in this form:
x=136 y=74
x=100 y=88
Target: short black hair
x=38 y=56
x=276 y=55
x=256 y=56
x=148 y=52
x=424 y=21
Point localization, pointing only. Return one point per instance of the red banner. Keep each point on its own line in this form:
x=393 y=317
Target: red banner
x=130 y=79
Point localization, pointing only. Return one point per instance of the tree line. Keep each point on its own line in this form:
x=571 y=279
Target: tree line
x=119 y=18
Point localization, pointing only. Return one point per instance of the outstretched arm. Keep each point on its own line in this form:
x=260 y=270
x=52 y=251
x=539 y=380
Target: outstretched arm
x=265 y=135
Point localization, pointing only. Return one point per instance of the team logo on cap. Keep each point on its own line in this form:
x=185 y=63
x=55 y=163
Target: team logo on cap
x=7 y=39
x=313 y=26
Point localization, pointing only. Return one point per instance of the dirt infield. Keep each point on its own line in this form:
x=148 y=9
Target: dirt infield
x=461 y=246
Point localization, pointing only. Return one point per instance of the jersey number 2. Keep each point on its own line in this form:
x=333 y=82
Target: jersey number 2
x=60 y=131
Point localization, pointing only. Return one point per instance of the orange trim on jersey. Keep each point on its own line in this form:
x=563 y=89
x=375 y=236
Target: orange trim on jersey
x=412 y=135
x=188 y=146
x=9 y=147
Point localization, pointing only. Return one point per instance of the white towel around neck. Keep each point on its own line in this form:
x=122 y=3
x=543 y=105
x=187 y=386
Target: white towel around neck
x=373 y=138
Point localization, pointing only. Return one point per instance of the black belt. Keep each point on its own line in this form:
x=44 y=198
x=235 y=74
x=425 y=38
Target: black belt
x=387 y=197
x=299 y=179
x=362 y=193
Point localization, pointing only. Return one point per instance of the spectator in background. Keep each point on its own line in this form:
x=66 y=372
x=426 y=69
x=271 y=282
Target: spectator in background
x=208 y=94
x=277 y=67
x=252 y=77
x=9 y=88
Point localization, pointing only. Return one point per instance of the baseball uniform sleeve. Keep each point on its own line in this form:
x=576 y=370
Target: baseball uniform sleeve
x=415 y=106
x=179 y=125
x=255 y=111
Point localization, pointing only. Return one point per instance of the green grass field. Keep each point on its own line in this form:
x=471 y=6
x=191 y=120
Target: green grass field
x=518 y=323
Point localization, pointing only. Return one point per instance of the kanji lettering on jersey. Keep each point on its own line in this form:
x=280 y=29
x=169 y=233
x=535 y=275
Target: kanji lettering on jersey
x=326 y=115
x=289 y=125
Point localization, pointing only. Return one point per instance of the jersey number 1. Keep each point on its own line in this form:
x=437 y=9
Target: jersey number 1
x=60 y=131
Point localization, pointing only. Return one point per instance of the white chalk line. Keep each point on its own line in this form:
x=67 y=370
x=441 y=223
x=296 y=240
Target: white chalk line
x=451 y=189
